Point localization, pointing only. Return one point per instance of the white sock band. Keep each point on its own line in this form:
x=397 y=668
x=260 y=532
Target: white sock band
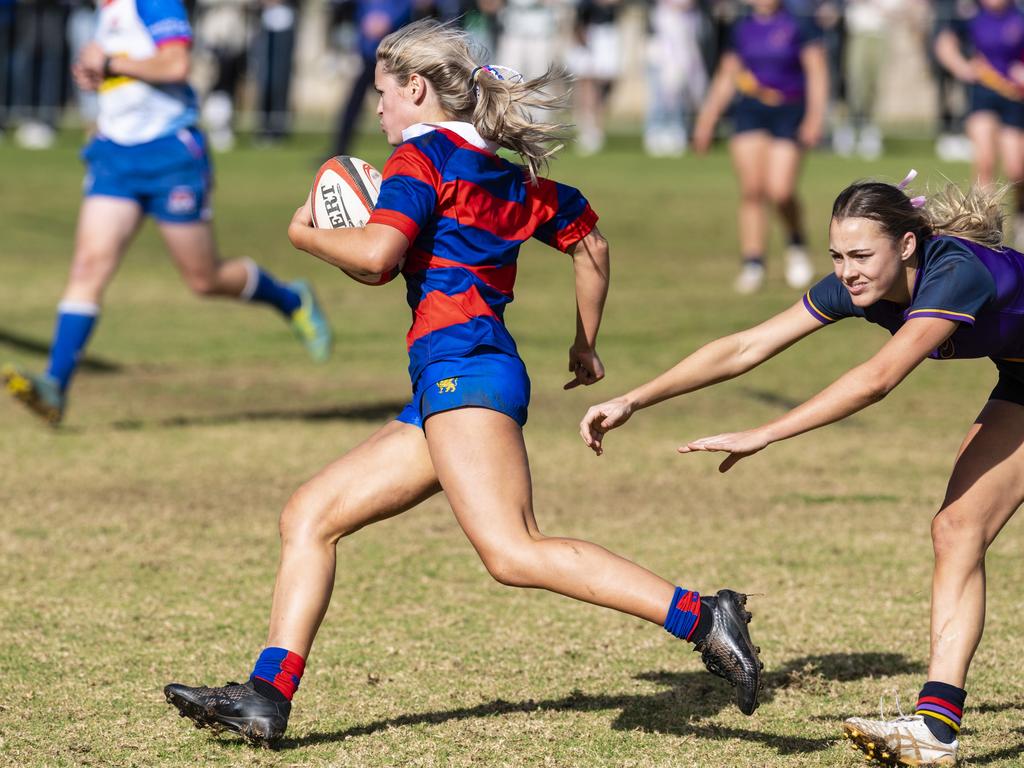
x=78 y=308
x=252 y=278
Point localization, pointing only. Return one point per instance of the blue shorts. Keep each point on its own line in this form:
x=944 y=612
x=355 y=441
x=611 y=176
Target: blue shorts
x=491 y=380
x=782 y=122
x=1009 y=112
x=170 y=178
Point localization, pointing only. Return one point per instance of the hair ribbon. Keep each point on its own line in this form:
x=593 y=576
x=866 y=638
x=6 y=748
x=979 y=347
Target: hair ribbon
x=916 y=202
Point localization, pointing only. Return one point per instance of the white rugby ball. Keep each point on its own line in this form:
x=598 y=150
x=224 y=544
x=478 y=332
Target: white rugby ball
x=344 y=193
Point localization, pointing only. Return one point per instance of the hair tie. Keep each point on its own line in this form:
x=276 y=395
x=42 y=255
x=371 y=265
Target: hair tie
x=497 y=71
x=907 y=179
x=919 y=201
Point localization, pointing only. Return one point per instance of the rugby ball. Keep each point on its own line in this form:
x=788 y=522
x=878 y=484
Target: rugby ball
x=344 y=193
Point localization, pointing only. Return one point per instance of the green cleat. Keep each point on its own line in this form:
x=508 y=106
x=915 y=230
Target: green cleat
x=39 y=392
x=310 y=324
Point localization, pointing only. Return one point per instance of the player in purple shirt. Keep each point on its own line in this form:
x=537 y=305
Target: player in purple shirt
x=985 y=51
x=777 y=65
x=935 y=275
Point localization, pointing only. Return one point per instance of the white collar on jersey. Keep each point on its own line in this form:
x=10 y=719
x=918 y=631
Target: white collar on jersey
x=466 y=130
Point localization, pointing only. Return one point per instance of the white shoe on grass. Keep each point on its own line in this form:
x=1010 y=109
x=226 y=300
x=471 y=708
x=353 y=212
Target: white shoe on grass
x=903 y=741
x=750 y=279
x=799 y=270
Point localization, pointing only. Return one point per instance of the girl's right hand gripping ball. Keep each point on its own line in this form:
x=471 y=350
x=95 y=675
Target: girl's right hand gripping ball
x=344 y=193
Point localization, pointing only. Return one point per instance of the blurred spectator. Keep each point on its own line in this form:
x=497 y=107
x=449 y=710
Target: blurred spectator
x=222 y=29
x=528 y=36
x=481 y=21
x=676 y=77
x=595 y=60
x=6 y=49
x=985 y=50
x=865 y=59
x=38 y=71
x=273 y=53
x=776 y=68
x=952 y=144
x=374 y=19
x=80 y=30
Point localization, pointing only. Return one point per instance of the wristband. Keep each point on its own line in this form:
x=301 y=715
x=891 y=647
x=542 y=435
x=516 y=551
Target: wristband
x=107 y=73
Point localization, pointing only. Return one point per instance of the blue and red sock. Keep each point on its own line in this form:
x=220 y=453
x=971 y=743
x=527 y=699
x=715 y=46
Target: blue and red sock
x=942 y=706
x=277 y=673
x=75 y=321
x=687 y=618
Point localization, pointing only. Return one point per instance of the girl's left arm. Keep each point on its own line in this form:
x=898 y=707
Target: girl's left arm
x=856 y=389
x=816 y=71
x=368 y=250
x=590 y=263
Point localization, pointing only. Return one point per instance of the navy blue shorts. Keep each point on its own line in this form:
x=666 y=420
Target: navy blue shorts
x=782 y=122
x=170 y=178
x=1011 y=382
x=492 y=380
x=1010 y=112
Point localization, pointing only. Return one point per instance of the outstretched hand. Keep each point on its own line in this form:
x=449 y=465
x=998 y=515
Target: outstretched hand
x=601 y=418
x=738 y=445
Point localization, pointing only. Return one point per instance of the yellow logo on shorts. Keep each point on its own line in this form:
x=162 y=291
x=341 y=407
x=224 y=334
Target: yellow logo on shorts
x=445 y=386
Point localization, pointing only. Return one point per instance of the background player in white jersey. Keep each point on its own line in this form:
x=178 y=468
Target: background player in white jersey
x=147 y=158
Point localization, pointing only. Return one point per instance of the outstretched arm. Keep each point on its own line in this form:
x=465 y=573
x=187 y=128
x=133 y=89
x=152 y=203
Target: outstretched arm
x=591 y=265
x=717 y=361
x=856 y=389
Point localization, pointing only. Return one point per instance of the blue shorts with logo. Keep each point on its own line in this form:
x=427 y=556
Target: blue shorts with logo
x=170 y=178
x=484 y=379
x=782 y=122
x=1010 y=112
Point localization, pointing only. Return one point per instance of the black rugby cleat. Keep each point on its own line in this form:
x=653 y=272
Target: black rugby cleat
x=234 y=707
x=728 y=652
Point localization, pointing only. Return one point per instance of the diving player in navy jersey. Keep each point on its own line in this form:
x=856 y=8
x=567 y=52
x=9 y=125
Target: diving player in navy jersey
x=935 y=275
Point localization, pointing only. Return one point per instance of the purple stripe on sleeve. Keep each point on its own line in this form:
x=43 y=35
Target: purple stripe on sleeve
x=817 y=315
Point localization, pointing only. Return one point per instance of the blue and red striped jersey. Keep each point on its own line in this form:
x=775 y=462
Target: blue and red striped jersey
x=465 y=212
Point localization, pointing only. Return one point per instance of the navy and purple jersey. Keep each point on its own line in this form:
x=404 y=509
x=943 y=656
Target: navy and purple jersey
x=769 y=48
x=465 y=212
x=996 y=40
x=980 y=288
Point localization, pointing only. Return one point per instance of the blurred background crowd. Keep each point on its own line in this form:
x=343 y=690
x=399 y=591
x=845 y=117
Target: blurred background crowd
x=270 y=67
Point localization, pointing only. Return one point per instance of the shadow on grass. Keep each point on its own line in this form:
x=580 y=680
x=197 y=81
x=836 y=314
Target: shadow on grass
x=359 y=412
x=687 y=698
x=26 y=344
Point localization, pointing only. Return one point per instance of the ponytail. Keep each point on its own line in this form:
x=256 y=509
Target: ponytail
x=500 y=108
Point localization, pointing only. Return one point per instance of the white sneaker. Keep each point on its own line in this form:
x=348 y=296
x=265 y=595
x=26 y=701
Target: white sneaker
x=844 y=140
x=799 y=271
x=869 y=145
x=903 y=741
x=750 y=279
x=35 y=135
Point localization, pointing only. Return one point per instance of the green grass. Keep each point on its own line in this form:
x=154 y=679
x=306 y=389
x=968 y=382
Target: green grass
x=138 y=543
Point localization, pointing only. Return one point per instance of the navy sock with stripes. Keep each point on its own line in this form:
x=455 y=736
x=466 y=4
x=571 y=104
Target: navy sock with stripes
x=942 y=706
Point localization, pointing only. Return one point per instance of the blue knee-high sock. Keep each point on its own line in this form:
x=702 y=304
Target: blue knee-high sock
x=261 y=286
x=75 y=321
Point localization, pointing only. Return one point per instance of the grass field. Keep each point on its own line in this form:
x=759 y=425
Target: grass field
x=138 y=543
